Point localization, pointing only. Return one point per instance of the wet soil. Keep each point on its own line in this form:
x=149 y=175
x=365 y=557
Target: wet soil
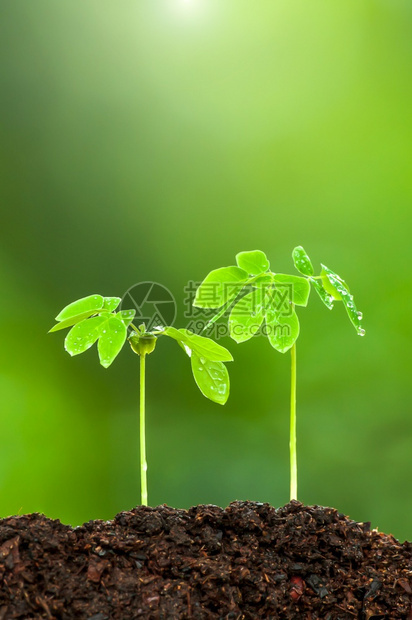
x=247 y=561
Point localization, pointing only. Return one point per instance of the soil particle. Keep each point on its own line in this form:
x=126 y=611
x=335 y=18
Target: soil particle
x=245 y=562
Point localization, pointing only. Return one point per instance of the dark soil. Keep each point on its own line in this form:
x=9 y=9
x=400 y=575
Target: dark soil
x=247 y=561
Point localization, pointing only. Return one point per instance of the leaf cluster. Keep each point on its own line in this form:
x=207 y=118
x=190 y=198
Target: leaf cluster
x=93 y=318
x=257 y=297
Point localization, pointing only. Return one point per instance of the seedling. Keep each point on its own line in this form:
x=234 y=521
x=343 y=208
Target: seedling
x=261 y=300
x=93 y=318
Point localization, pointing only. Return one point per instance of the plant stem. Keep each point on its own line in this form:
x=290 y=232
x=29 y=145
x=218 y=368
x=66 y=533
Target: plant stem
x=292 y=442
x=143 y=463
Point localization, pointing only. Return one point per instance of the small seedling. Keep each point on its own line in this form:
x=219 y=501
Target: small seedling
x=94 y=318
x=260 y=300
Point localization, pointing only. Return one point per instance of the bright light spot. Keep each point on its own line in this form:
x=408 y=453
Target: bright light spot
x=189 y=10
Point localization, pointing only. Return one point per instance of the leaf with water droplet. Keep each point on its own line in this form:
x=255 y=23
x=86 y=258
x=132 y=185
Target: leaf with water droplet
x=327 y=284
x=246 y=316
x=282 y=331
x=254 y=262
x=300 y=288
x=220 y=286
x=92 y=304
x=302 y=261
x=111 y=340
x=342 y=291
x=126 y=316
x=72 y=321
x=206 y=347
x=212 y=378
x=202 y=346
x=111 y=303
x=323 y=294
x=83 y=335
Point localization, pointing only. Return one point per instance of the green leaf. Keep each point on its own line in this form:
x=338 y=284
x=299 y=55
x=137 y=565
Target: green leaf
x=174 y=333
x=323 y=293
x=126 y=316
x=106 y=327
x=265 y=278
x=246 y=316
x=302 y=261
x=83 y=335
x=72 y=321
x=200 y=345
x=113 y=334
x=206 y=347
x=347 y=299
x=111 y=303
x=254 y=262
x=92 y=303
x=212 y=378
x=329 y=287
x=282 y=331
x=219 y=286
x=300 y=287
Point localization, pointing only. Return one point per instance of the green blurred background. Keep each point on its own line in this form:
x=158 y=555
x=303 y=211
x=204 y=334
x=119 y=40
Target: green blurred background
x=145 y=140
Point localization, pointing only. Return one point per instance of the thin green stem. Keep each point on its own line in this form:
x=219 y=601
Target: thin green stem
x=292 y=442
x=143 y=463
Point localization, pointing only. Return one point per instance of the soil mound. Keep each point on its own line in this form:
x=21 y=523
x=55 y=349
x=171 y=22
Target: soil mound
x=245 y=562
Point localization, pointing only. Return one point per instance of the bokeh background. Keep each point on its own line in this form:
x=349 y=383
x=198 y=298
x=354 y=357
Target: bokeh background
x=144 y=140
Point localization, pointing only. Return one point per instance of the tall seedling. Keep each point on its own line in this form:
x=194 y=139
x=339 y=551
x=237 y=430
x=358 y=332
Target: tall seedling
x=259 y=299
x=93 y=318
